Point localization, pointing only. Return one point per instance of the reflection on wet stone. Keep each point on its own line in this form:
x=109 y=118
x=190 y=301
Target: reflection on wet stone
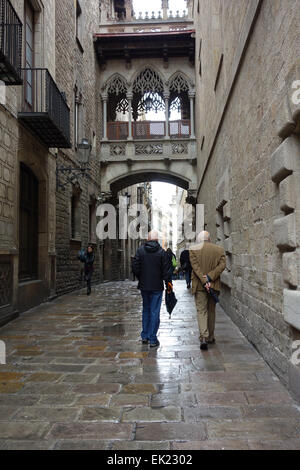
x=78 y=377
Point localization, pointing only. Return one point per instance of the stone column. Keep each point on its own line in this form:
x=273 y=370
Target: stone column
x=192 y=97
x=104 y=99
x=165 y=6
x=167 y=97
x=129 y=97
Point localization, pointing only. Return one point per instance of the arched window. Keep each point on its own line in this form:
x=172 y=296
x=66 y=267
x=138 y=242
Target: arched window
x=179 y=95
x=147 y=93
x=117 y=101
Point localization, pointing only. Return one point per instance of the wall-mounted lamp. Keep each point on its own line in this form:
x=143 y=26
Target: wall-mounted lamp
x=72 y=174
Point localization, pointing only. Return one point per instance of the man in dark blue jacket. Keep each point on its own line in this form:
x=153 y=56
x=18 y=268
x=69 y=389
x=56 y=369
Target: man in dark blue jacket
x=152 y=266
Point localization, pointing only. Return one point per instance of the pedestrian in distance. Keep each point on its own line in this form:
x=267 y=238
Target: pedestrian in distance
x=186 y=267
x=208 y=261
x=173 y=260
x=89 y=267
x=152 y=266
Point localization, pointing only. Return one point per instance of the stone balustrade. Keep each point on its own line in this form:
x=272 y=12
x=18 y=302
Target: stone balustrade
x=172 y=149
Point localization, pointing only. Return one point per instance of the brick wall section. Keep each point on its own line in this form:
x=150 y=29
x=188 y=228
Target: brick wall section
x=243 y=148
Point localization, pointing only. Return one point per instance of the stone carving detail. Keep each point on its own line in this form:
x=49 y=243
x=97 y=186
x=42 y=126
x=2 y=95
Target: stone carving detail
x=148 y=81
x=116 y=85
x=5 y=281
x=179 y=83
x=179 y=148
x=150 y=149
x=117 y=150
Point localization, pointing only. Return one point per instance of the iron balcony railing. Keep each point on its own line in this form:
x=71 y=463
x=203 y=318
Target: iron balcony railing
x=44 y=108
x=118 y=130
x=10 y=44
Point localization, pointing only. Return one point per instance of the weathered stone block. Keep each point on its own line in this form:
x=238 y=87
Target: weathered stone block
x=285 y=232
x=292 y=85
x=226 y=278
x=228 y=245
x=284 y=121
x=227 y=212
x=227 y=229
x=223 y=190
x=220 y=234
x=291 y=307
x=285 y=159
x=289 y=193
x=219 y=220
x=291 y=264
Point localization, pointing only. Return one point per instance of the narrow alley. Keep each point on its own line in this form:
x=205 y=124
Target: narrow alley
x=78 y=377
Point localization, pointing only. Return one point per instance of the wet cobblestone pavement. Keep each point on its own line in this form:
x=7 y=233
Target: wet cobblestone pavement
x=78 y=377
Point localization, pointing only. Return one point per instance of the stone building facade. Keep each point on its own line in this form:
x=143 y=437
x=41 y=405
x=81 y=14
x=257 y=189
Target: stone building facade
x=43 y=122
x=247 y=121
x=26 y=165
x=77 y=200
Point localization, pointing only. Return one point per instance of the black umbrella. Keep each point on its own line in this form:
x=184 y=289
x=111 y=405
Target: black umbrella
x=171 y=300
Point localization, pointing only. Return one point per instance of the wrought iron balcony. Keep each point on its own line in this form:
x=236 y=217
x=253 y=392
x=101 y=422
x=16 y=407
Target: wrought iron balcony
x=10 y=44
x=119 y=130
x=44 y=109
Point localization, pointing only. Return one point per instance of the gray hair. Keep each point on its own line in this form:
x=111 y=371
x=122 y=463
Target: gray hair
x=203 y=237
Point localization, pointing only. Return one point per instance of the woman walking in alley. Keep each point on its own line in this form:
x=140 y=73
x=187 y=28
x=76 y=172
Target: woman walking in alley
x=89 y=267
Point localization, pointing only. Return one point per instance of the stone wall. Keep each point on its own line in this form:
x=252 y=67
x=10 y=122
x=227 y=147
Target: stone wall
x=76 y=66
x=243 y=113
x=17 y=145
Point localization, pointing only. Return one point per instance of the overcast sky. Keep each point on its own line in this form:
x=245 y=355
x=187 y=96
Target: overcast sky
x=155 y=5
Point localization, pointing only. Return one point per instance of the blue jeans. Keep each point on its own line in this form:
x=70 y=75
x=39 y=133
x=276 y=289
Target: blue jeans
x=151 y=314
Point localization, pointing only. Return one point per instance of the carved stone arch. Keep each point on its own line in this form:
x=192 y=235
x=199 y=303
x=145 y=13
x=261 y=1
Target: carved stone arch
x=148 y=88
x=116 y=88
x=156 y=77
x=116 y=84
x=179 y=87
x=180 y=79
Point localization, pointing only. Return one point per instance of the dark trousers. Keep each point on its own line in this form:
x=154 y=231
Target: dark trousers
x=88 y=277
x=152 y=301
x=188 y=277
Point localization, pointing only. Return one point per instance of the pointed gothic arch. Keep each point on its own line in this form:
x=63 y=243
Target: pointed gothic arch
x=148 y=90
x=116 y=83
x=116 y=88
x=179 y=87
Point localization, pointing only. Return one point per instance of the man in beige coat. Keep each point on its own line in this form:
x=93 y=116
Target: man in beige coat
x=208 y=262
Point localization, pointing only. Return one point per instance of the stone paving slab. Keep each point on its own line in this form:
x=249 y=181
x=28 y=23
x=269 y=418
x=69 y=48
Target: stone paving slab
x=78 y=377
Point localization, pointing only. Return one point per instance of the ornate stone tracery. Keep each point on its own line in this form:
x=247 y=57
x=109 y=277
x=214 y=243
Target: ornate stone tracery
x=116 y=85
x=147 y=91
x=148 y=81
x=178 y=84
